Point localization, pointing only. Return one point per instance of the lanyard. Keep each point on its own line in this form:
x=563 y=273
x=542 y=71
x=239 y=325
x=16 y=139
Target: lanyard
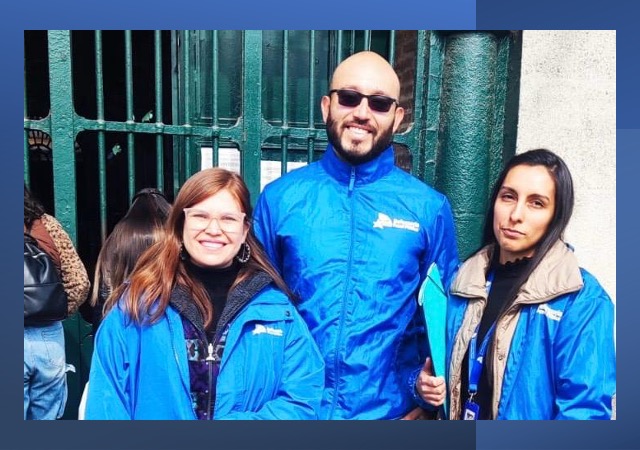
x=476 y=360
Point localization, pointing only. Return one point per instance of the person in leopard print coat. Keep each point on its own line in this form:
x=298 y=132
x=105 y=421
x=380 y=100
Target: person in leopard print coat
x=45 y=384
x=74 y=275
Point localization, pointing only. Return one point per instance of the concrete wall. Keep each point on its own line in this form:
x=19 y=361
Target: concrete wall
x=568 y=105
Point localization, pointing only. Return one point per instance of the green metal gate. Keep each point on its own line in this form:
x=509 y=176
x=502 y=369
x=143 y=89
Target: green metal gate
x=110 y=112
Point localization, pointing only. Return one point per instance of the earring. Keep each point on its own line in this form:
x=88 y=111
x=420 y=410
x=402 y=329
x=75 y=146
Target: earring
x=244 y=253
x=183 y=253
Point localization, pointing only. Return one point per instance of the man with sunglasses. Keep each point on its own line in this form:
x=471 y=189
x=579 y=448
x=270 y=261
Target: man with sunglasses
x=353 y=236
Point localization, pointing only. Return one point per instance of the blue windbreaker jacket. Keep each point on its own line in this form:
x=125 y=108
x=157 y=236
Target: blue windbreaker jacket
x=270 y=368
x=554 y=354
x=355 y=242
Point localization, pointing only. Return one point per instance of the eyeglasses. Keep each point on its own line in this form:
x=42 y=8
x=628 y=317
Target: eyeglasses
x=351 y=99
x=229 y=222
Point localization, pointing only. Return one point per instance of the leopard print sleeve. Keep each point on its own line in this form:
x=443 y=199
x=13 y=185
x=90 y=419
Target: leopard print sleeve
x=74 y=275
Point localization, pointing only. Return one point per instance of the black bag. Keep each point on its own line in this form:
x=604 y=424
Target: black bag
x=45 y=300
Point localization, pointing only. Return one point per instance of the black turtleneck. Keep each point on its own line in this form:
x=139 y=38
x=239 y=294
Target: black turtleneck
x=217 y=283
x=504 y=277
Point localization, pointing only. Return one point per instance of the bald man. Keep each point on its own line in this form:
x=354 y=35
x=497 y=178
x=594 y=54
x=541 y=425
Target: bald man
x=353 y=236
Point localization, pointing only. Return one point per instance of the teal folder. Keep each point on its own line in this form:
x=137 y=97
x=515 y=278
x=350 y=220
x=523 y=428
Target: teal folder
x=433 y=300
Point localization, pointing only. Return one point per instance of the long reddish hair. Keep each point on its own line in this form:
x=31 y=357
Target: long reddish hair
x=160 y=269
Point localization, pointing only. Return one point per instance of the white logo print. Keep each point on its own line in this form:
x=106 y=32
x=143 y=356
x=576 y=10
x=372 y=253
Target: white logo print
x=261 y=329
x=384 y=221
x=552 y=314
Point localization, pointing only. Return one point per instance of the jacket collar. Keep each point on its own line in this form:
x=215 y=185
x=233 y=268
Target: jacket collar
x=557 y=274
x=238 y=297
x=364 y=173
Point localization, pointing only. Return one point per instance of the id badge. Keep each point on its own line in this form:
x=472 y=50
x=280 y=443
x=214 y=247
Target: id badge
x=471 y=411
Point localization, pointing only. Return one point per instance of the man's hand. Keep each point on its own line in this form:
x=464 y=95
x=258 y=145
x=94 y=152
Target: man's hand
x=431 y=389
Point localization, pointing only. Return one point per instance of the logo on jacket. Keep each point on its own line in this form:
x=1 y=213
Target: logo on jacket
x=261 y=329
x=384 y=221
x=552 y=314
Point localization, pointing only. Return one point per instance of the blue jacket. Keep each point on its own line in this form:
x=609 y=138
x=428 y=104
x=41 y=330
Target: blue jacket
x=553 y=351
x=355 y=242
x=270 y=368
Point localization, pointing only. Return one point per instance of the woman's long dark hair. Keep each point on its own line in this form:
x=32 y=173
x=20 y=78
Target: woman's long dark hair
x=564 y=199
x=133 y=234
x=32 y=208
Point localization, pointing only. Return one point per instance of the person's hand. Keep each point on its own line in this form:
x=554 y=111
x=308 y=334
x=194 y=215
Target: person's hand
x=432 y=389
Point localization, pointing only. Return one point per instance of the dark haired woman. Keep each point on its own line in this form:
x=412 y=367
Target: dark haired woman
x=529 y=333
x=133 y=234
x=203 y=329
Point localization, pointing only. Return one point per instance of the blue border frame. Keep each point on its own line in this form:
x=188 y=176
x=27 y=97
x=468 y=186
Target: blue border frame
x=411 y=14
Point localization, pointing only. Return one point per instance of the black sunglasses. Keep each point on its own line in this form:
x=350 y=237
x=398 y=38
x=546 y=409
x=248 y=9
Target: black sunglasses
x=379 y=103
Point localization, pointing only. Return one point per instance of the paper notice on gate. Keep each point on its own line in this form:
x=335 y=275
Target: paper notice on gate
x=270 y=170
x=228 y=158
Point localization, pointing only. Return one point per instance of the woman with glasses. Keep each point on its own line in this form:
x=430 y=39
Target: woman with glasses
x=205 y=328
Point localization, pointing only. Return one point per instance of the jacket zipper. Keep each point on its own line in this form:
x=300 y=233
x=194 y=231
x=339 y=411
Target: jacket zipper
x=352 y=180
x=211 y=359
x=336 y=358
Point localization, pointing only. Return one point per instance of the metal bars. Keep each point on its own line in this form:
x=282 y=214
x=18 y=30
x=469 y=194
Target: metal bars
x=258 y=138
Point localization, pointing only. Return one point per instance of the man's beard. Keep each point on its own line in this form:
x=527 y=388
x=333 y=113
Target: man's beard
x=379 y=145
